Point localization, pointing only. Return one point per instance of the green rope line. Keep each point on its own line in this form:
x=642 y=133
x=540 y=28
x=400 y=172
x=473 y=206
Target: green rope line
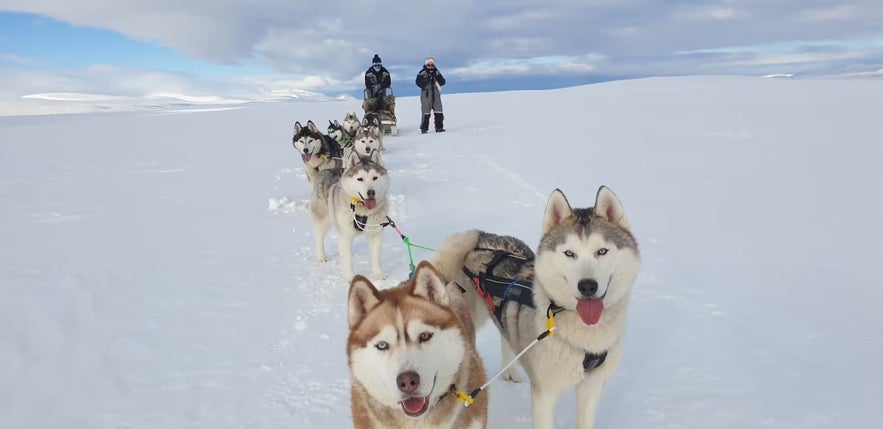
x=411 y=255
x=407 y=241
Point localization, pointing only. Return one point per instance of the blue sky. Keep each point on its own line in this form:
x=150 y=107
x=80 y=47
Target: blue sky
x=275 y=48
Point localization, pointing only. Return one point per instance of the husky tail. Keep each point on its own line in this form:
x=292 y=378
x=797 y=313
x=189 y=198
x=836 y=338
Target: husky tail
x=475 y=250
x=449 y=261
x=498 y=258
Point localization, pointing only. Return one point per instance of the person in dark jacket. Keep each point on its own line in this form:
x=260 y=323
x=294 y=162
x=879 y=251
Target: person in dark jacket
x=377 y=79
x=430 y=81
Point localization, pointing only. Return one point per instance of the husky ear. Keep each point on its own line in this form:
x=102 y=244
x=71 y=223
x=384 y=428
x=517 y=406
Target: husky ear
x=363 y=297
x=298 y=127
x=336 y=124
x=312 y=127
x=608 y=207
x=375 y=157
x=429 y=285
x=557 y=209
x=353 y=160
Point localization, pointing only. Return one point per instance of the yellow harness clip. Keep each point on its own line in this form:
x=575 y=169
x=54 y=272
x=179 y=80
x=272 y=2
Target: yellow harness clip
x=463 y=397
x=355 y=200
x=550 y=324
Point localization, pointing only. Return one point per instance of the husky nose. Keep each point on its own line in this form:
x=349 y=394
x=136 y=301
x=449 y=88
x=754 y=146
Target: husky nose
x=370 y=193
x=587 y=287
x=408 y=382
x=306 y=150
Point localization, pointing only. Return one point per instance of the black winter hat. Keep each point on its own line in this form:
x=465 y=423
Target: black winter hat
x=376 y=59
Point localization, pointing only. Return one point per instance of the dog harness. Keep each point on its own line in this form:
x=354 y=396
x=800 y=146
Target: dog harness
x=361 y=221
x=328 y=149
x=492 y=287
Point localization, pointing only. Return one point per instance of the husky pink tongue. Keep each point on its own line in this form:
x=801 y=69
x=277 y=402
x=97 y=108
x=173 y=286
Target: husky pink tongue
x=307 y=157
x=590 y=310
x=414 y=405
x=370 y=203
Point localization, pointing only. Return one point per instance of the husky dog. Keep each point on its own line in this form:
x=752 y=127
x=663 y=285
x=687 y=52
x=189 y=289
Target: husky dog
x=582 y=273
x=354 y=201
x=367 y=142
x=373 y=123
x=337 y=131
x=408 y=349
x=351 y=123
x=319 y=152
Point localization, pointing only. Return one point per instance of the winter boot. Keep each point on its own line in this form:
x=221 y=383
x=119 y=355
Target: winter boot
x=424 y=124
x=439 y=122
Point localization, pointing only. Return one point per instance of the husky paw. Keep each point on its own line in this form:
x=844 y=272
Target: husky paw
x=379 y=276
x=512 y=375
x=321 y=259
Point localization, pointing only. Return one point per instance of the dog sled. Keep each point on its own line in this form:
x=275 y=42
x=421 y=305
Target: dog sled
x=385 y=114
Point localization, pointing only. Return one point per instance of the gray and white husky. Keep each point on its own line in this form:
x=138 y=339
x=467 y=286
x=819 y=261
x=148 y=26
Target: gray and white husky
x=318 y=151
x=373 y=123
x=581 y=274
x=351 y=123
x=367 y=142
x=354 y=201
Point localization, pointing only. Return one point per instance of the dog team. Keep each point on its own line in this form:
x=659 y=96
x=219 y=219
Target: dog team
x=560 y=309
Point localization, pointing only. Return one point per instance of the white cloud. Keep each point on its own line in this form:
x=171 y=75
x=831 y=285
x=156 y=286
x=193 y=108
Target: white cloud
x=12 y=58
x=531 y=66
x=325 y=46
x=836 y=13
x=517 y=22
x=796 y=58
x=709 y=13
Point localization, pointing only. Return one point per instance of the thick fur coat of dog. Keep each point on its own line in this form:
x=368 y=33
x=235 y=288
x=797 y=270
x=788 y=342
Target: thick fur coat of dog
x=407 y=349
x=354 y=201
x=582 y=274
x=318 y=151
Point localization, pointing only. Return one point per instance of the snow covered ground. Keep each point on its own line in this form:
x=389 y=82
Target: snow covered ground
x=157 y=266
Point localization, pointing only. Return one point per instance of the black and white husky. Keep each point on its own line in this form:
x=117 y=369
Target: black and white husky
x=345 y=133
x=354 y=201
x=581 y=274
x=318 y=151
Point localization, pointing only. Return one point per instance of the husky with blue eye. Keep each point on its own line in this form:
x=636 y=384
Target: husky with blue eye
x=409 y=347
x=581 y=274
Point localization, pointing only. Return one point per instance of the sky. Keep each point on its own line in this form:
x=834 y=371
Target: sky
x=158 y=268
x=274 y=49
